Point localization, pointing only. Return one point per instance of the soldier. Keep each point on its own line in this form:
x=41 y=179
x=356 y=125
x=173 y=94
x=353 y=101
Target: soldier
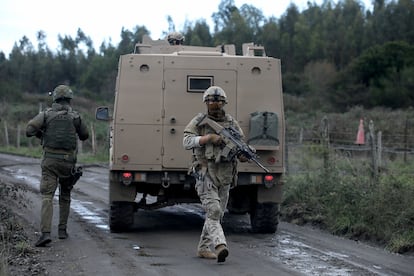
x=59 y=128
x=175 y=38
x=213 y=177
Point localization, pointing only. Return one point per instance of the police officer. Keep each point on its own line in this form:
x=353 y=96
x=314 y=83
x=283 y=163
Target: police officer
x=58 y=127
x=175 y=38
x=214 y=177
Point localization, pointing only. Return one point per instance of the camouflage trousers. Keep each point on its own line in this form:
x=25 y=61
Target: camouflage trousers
x=214 y=200
x=55 y=172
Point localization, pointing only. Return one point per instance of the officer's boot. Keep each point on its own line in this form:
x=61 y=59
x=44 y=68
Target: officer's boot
x=222 y=252
x=43 y=240
x=206 y=254
x=62 y=234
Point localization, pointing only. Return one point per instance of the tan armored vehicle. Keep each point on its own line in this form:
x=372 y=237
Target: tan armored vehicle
x=159 y=89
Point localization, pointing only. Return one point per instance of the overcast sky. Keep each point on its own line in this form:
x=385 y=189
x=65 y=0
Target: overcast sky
x=104 y=20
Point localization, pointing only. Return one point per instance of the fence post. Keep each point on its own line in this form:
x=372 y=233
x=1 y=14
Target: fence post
x=6 y=134
x=374 y=164
x=325 y=141
x=80 y=147
x=405 y=140
x=18 y=133
x=93 y=139
x=379 y=151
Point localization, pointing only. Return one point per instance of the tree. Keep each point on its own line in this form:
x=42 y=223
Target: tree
x=379 y=77
x=231 y=27
x=199 y=35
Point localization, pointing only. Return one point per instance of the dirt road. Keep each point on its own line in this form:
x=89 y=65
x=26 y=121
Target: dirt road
x=163 y=242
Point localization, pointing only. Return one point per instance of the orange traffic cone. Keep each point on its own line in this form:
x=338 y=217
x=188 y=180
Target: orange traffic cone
x=360 y=139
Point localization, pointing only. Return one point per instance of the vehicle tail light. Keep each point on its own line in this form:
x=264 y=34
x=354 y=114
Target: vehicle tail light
x=269 y=181
x=126 y=178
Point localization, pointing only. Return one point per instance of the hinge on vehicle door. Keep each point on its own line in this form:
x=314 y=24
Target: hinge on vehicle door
x=162 y=150
x=163 y=113
x=163 y=84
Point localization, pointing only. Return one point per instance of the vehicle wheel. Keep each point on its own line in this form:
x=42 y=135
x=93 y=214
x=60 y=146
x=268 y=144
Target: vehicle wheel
x=264 y=217
x=121 y=216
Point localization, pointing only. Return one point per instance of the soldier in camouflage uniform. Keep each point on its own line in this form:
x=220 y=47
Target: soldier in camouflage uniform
x=213 y=177
x=58 y=127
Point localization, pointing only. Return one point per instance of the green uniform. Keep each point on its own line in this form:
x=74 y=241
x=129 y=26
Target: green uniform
x=215 y=177
x=59 y=127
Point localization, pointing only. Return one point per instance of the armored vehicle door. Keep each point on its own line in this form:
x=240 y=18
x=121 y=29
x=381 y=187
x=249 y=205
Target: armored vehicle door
x=183 y=99
x=138 y=116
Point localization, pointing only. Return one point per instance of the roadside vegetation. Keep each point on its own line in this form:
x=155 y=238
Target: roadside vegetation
x=17 y=255
x=348 y=189
x=345 y=200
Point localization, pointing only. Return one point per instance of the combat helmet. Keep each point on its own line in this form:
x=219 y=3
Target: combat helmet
x=61 y=92
x=175 y=38
x=215 y=93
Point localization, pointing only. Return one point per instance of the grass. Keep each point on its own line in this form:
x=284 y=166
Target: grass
x=16 y=252
x=344 y=199
x=4 y=253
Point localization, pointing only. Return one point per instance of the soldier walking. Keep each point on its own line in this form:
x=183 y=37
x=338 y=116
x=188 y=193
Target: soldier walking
x=58 y=127
x=214 y=176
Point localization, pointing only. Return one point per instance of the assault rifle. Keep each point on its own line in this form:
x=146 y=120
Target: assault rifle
x=233 y=145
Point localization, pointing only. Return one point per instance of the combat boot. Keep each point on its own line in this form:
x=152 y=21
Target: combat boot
x=222 y=252
x=43 y=240
x=62 y=234
x=206 y=254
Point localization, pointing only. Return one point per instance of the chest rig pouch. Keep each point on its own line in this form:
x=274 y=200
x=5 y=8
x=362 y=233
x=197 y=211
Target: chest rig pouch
x=221 y=171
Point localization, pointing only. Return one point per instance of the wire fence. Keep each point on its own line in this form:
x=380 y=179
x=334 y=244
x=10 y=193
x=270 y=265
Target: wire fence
x=308 y=150
x=14 y=135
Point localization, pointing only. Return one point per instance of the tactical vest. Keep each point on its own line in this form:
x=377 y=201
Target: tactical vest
x=222 y=172
x=60 y=132
x=210 y=151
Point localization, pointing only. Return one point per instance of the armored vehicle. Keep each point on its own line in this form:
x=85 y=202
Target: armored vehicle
x=159 y=89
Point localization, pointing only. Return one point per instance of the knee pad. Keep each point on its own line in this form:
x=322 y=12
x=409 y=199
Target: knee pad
x=214 y=211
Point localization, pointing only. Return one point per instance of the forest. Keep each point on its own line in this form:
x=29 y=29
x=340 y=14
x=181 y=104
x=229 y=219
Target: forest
x=335 y=56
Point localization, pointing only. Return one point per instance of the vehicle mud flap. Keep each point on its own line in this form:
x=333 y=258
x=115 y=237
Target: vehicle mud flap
x=121 y=192
x=273 y=194
x=121 y=216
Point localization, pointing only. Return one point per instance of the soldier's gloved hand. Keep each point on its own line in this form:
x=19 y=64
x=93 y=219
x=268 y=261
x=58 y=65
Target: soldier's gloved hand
x=214 y=139
x=39 y=134
x=242 y=158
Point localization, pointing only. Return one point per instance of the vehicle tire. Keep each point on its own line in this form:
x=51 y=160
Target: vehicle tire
x=121 y=216
x=264 y=217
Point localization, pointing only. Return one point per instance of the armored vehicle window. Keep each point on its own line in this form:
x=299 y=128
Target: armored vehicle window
x=199 y=83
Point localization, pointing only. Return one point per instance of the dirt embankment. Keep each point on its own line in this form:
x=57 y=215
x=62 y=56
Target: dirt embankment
x=18 y=256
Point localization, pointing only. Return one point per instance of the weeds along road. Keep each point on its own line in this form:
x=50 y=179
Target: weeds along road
x=163 y=242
